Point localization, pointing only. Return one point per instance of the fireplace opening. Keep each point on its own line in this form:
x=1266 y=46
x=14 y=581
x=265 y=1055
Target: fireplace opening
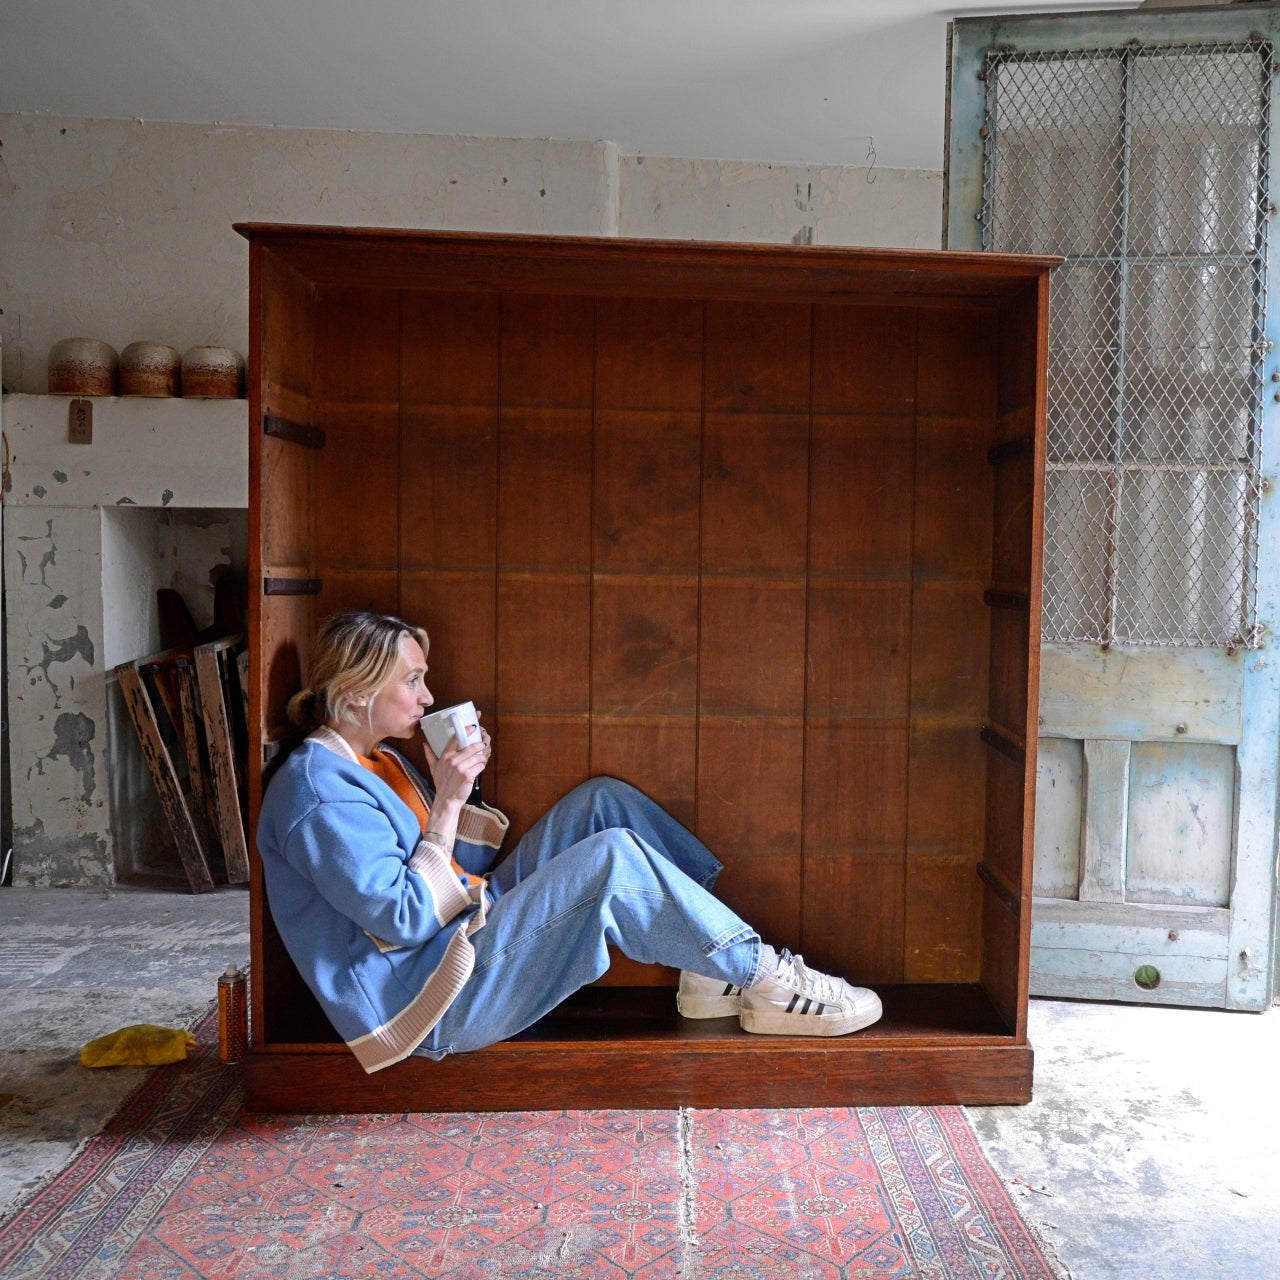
x=144 y=550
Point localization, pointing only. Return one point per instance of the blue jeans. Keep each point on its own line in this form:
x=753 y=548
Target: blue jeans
x=604 y=865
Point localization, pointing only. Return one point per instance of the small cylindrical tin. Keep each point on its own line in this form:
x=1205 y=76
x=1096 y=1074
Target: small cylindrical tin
x=233 y=1015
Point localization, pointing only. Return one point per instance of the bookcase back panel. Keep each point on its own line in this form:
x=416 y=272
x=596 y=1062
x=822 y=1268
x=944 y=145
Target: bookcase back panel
x=733 y=552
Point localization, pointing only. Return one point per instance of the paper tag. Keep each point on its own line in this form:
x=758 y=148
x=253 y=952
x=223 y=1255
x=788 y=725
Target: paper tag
x=80 y=422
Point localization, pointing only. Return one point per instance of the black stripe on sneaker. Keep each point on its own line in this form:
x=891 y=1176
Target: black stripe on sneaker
x=728 y=989
x=807 y=1003
x=792 y=1005
x=820 y=1009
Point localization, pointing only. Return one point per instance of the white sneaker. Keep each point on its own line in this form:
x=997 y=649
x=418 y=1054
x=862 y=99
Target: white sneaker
x=699 y=997
x=798 y=1001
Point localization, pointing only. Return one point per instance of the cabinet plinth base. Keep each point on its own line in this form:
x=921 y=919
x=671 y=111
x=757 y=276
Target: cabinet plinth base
x=623 y=1048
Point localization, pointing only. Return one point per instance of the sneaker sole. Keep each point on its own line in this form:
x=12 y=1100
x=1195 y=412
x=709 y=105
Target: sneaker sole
x=708 y=1006
x=777 y=1022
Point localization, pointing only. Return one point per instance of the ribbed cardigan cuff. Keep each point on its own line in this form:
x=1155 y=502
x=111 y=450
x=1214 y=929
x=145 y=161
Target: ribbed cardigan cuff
x=483 y=824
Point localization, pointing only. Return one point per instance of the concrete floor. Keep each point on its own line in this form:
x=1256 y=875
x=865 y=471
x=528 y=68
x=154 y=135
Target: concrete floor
x=1151 y=1151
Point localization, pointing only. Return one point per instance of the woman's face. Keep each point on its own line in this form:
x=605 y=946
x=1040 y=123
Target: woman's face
x=401 y=702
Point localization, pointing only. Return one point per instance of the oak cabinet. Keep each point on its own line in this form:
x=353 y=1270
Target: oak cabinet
x=756 y=529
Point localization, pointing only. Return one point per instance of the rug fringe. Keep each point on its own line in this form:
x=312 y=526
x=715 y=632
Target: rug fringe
x=687 y=1204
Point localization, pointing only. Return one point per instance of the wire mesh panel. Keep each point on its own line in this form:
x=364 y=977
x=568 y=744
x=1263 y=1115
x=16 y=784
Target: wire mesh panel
x=1146 y=168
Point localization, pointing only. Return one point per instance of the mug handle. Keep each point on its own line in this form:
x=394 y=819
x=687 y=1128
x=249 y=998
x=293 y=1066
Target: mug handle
x=461 y=736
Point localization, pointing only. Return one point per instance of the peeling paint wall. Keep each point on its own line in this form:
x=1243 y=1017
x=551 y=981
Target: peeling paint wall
x=57 y=697
x=75 y=769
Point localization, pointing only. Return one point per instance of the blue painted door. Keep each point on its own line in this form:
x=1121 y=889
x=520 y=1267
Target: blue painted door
x=1137 y=146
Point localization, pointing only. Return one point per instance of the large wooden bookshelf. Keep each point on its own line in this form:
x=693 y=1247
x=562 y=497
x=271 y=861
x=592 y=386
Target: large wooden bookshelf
x=754 y=528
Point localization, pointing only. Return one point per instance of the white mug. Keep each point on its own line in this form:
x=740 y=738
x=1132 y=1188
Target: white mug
x=460 y=721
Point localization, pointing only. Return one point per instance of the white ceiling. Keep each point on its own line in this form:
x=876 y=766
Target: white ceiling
x=805 y=81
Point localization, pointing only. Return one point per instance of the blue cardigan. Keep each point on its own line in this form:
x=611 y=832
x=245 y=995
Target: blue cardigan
x=373 y=915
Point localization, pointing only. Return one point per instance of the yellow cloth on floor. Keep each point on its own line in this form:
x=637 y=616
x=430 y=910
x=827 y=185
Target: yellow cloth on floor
x=142 y=1045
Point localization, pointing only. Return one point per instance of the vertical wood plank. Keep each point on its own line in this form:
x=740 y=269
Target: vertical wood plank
x=853 y=919
x=754 y=553
x=755 y=494
x=1181 y=809
x=645 y=491
x=1106 y=820
x=356 y=403
x=943 y=930
x=644 y=646
x=758 y=357
x=543 y=601
x=201 y=795
x=449 y=390
x=1059 y=797
x=864 y=361
x=222 y=776
x=863 y=498
x=654 y=753
x=645 y=525
x=648 y=354
x=459 y=612
x=950 y=644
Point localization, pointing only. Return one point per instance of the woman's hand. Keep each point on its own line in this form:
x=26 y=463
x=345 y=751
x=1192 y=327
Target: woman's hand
x=454 y=771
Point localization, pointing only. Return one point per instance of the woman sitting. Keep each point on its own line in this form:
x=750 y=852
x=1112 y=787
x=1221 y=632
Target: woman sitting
x=383 y=888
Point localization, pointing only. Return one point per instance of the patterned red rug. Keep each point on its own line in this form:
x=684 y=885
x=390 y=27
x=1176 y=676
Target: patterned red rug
x=182 y=1183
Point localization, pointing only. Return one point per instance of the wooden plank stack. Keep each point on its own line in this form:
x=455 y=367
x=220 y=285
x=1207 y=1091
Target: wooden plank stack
x=180 y=702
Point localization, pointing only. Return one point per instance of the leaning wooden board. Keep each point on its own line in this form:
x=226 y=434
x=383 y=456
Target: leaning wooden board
x=223 y=782
x=191 y=849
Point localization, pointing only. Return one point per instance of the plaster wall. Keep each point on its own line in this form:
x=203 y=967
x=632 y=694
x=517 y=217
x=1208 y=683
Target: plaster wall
x=83 y=526
x=680 y=199
x=122 y=230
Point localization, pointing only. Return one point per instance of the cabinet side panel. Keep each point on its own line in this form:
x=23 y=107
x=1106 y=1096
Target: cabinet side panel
x=1018 y=470
x=281 y=503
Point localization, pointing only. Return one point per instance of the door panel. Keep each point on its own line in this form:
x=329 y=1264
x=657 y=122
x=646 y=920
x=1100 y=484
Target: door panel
x=1059 y=792
x=1160 y=718
x=1181 y=803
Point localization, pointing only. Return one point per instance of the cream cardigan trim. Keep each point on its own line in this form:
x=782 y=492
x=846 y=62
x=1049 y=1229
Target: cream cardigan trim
x=394 y=1041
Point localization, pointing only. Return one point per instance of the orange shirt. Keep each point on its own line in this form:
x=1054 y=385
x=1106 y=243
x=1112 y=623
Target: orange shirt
x=391 y=771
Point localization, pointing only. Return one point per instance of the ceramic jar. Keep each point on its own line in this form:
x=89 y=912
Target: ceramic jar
x=82 y=367
x=216 y=373
x=150 y=369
